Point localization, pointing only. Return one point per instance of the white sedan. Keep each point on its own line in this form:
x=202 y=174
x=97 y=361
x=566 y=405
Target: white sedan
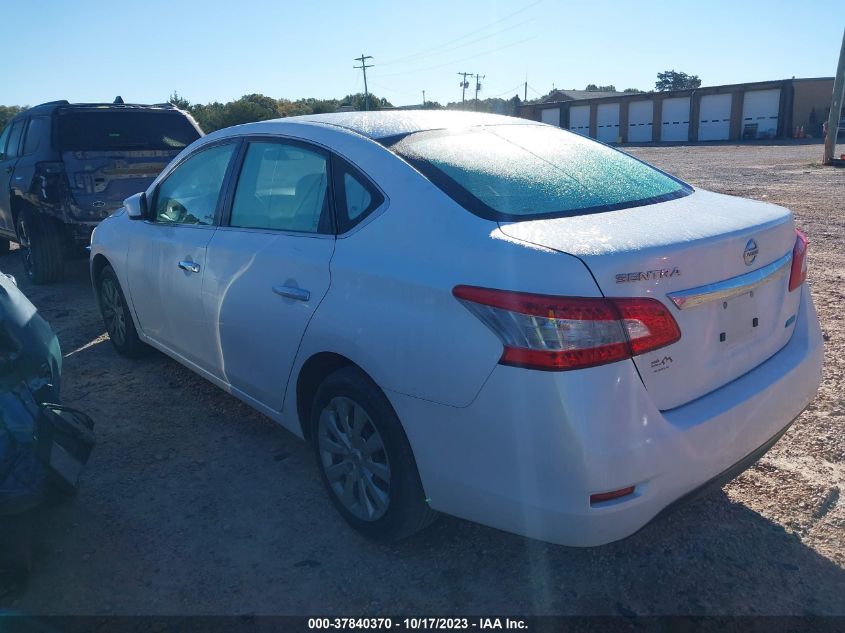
x=471 y=314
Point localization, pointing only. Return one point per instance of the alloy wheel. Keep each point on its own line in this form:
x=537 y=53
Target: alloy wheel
x=354 y=458
x=114 y=310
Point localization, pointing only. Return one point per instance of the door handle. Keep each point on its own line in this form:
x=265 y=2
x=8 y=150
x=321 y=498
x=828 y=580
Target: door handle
x=9 y=170
x=289 y=292
x=191 y=267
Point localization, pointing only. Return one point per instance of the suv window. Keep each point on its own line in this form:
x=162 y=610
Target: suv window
x=516 y=172
x=38 y=128
x=4 y=136
x=108 y=130
x=189 y=195
x=282 y=187
x=356 y=197
x=12 y=150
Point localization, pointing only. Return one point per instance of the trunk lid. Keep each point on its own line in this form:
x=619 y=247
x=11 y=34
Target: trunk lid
x=101 y=180
x=732 y=253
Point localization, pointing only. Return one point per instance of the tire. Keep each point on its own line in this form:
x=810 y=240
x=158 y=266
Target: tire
x=5 y=246
x=365 y=460
x=116 y=316
x=41 y=247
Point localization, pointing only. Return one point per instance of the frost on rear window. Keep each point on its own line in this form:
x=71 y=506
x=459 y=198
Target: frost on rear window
x=532 y=171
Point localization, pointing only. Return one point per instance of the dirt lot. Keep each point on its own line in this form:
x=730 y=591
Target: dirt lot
x=195 y=504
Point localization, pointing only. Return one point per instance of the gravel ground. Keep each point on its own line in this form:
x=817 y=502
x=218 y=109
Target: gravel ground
x=195 y=504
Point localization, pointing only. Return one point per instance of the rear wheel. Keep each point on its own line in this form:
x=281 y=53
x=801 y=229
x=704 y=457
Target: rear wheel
x=41 y=248
x=365 y=460
x=116 y=316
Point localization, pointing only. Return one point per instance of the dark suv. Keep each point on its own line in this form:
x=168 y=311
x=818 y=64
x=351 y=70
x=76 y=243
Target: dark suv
x=66 y=166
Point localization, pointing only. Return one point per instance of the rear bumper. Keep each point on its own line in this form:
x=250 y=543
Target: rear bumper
x=527 y=454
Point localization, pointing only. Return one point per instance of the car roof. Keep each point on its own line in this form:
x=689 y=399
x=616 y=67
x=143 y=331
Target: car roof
x=383 y=124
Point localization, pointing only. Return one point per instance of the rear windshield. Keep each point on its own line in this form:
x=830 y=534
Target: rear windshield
x=516 y=172
x=103 y=130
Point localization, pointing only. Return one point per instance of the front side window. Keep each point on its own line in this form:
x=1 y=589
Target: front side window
x=282 y=187
x=14 y=140
x=3 y=138
x=189 y=195
x=518 y=172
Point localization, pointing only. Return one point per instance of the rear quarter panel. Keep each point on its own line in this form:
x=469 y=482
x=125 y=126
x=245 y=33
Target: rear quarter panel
x=390 y=307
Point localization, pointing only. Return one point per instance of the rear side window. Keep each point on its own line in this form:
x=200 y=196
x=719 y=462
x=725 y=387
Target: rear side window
x=518 y=172
x=355 y=195
x=110 y=130
x=36 y=130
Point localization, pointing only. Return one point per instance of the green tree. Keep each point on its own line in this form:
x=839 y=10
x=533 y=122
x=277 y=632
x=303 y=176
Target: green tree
x=632 y=91
x=674 y=80
x=7 y=112
x=595 y=88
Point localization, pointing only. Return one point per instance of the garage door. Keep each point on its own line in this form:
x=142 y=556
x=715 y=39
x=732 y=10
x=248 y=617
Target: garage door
x=640 y=121
x=607 y=122
x=714 y=119
x=760 y=113
x=675 y=119
x=579 y=120
x=550 y=116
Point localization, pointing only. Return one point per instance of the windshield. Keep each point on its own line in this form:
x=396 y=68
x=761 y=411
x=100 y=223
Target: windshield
x=530 y=171
x=104 y=130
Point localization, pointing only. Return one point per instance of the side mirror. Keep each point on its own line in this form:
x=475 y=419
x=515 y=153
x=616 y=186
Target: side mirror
x=136 y=206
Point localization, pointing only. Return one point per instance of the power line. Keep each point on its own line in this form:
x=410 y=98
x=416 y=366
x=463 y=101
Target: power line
x=442 y=51
x=458 y=61
x=363 y=59
x=466 y=35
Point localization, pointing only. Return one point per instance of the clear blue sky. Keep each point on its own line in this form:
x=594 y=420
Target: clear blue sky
x=221 y=49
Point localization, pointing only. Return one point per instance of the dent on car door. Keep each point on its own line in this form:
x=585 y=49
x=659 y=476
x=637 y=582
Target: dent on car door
x=168 y=251
x=267 y=268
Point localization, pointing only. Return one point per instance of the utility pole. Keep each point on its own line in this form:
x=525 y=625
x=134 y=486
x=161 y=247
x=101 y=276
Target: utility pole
x=464 y=86
x=478 y=79
x=835 y=107
x=363 y=59
x=525 y=98
x=423 y=98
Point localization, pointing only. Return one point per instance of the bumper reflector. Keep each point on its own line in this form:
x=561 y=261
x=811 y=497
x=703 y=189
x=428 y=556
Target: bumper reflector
x=608 y=496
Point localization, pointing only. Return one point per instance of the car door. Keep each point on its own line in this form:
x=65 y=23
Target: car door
x=167 y=254
x=267 y=267
x=9 y=152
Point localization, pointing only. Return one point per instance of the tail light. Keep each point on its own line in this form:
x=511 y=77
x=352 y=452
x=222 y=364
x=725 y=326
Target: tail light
x=554 y=333
x=799 y=261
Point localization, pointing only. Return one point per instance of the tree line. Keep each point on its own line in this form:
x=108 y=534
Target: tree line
x=258 y=107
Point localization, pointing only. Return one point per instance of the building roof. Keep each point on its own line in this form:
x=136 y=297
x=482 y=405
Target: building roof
x=577 y=95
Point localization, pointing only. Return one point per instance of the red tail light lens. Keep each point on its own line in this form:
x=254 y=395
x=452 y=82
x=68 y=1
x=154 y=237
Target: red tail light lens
x=555 y=333
x=799 y=261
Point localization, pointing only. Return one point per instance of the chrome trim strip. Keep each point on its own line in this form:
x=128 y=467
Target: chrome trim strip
x=733 y=287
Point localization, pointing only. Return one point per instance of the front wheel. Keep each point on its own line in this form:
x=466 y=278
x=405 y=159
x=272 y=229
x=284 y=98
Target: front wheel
x=365 y=460
x=116 y=316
